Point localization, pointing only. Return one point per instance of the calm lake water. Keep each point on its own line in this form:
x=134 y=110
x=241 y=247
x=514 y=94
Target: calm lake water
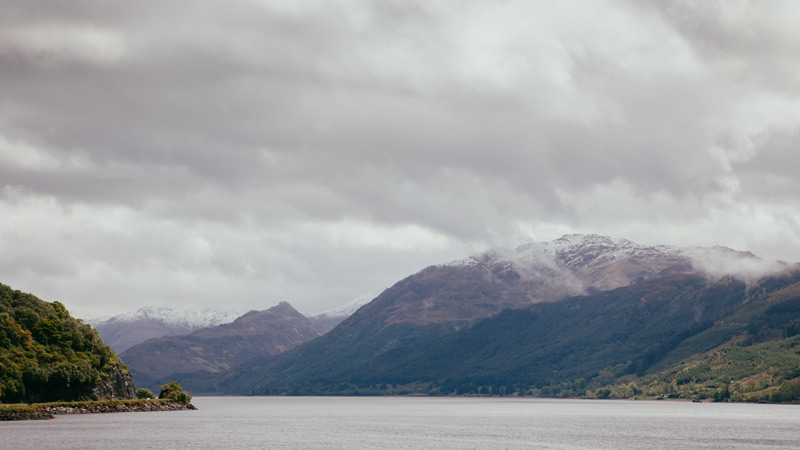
x=419 y=423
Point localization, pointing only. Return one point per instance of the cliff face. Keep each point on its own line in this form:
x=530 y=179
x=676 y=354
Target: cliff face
x=118 y=384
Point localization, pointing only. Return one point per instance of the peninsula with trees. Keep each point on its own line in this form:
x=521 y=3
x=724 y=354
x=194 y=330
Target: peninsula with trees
x=52 y=363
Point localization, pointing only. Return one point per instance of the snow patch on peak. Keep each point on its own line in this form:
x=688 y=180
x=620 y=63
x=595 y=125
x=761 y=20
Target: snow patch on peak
x=191 y=318
x=350 y=307
x=559 y=249
x=571 y=241
x=599 y=244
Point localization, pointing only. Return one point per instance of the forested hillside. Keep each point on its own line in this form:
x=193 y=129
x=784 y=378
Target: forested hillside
x=47 y=355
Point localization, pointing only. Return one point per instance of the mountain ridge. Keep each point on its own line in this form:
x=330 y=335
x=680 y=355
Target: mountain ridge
x=439 y=301
x=122 y=331
x=583 y=346
x=214 y=349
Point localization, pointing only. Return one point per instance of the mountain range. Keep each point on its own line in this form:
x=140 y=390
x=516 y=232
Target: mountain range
x=583 y=315
x=122 y=331
x=211 y=350
x=583 y=310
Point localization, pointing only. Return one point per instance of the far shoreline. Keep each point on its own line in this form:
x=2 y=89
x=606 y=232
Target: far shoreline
x=507 y=397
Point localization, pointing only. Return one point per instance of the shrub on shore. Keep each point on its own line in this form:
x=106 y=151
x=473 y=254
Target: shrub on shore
x=174 y=392
x=145 y=393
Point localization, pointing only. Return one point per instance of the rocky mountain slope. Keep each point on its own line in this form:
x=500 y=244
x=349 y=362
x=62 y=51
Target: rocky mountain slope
x=394 y=334
x=47 y=355
x=123 y=331
x=485 y=284
x=215 y=349
x=682 y=335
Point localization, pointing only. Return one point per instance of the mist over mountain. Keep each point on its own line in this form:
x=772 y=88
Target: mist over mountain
x=489 y=282
x=668 y=335
x=402 y=336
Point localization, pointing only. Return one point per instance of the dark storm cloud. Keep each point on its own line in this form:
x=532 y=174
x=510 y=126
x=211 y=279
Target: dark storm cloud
x=266 y=149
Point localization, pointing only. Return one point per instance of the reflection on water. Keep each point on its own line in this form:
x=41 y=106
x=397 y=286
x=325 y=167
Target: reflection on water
x=417 y=422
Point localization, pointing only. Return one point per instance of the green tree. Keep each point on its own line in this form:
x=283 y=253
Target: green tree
x=47 y=355
x=174 y=392
x=145 y=393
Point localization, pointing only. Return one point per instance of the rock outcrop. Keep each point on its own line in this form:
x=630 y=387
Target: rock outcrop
x=118 y=384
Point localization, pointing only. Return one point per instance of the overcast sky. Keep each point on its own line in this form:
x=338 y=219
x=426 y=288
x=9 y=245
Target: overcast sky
x=237 y=153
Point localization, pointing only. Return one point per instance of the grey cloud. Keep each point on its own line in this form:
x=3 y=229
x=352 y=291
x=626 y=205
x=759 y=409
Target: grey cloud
x=240 y=123
x=771 y=175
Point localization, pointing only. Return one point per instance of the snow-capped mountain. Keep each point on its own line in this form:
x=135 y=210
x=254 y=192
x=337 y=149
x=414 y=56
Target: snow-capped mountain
x=486 y=283
x=510 y=317
x=215 y=349
x=479 y=286
x=123 y=331
x=577 y=264
x=194 y=318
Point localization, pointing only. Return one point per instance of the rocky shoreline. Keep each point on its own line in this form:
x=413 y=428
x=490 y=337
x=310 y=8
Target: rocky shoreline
x=49 y=411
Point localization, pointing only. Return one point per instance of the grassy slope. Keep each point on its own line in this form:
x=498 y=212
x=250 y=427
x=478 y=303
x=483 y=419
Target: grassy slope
x=761 y=372
x=760 y=360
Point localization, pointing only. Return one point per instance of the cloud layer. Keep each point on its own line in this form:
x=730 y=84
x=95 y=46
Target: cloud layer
x=246 y=152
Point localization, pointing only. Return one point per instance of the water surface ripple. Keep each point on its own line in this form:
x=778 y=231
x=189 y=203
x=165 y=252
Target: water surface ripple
x=419 y=423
